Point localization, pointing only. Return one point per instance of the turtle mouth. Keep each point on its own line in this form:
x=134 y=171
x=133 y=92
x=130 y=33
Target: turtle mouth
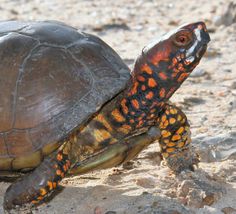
x=201 y=51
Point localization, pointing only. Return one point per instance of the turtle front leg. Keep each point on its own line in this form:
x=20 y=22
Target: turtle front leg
x=38 y=185
x=175 y=140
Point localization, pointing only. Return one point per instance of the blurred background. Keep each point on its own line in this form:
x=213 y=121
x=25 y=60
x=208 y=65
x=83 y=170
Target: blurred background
x=208 y=98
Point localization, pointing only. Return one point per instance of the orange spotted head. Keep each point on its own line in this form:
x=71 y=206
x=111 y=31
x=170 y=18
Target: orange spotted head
x=170 y=60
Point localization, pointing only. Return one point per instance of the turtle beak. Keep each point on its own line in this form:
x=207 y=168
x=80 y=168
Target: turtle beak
x=203 y=38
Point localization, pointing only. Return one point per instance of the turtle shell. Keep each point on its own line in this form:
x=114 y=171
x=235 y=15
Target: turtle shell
x=53 y=78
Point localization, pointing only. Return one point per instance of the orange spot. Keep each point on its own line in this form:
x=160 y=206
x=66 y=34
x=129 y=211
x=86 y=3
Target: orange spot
x=143 y=87
x=58 y=172
x=149 y=95
x=174 y=61
x=146 y=68
x=135 y=103
x=141 y=78
x=176 y=137
x=54 y=184
x=65 y=168
x=182 y=77
x=181 y=144
x=161 y=55
x=165 y=133
x=166 y=123
x=170 y=150
x=172 y=120
x=170 y=93
x=163 y=118
x=124 y=107
x=40 y=198
x=125 y=129
x=117 y=115
x=140 y=118
x=134 y=88
x=162 y=76
x=59 y=156
x=131 y=121
x=50 y=185
x=162 y=93
x=43 y=191
x=140 y=123
x=180 y=67
x=170 y=144
x=152 y=83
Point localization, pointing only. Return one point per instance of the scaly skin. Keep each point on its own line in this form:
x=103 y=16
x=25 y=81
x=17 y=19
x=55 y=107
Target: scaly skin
x=135 y=118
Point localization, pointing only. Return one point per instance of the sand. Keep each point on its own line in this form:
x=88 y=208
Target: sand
x=208 y=98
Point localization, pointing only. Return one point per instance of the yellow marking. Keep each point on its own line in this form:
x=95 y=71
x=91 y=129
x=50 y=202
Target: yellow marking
x=50 y=185
x=117 y=115
x=43 y=191
x=171 y=144
x=113 y=140
x=165 y=133
x=100 y=118
x=165 y=155
x=167 y=112
x=187 y=128
x=180 y=145
x=176 y=137
x=161 y=126
x=101 y=135
x=172 y=120
x=170 y=150
x=75 y=138
x=124 y=129
x=173 y=111
x=179 y=117
x=180 y=130
x=163 y=118
x=166 y=141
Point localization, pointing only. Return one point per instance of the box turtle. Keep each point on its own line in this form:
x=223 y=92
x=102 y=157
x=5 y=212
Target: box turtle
x=69 y=104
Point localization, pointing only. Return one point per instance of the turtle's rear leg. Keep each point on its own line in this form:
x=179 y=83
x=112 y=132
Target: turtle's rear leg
x=175 y=140
x=38 y=185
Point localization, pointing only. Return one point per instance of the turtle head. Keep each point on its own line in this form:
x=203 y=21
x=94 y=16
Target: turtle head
x=172 y=58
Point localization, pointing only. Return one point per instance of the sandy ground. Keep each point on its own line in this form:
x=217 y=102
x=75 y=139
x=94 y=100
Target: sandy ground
x=208 y=98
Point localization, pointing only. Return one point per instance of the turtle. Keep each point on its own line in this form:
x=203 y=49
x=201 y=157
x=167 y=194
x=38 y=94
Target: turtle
x=69 y=104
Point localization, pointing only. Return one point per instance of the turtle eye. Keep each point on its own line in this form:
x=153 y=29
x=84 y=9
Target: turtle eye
x=183 y=38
